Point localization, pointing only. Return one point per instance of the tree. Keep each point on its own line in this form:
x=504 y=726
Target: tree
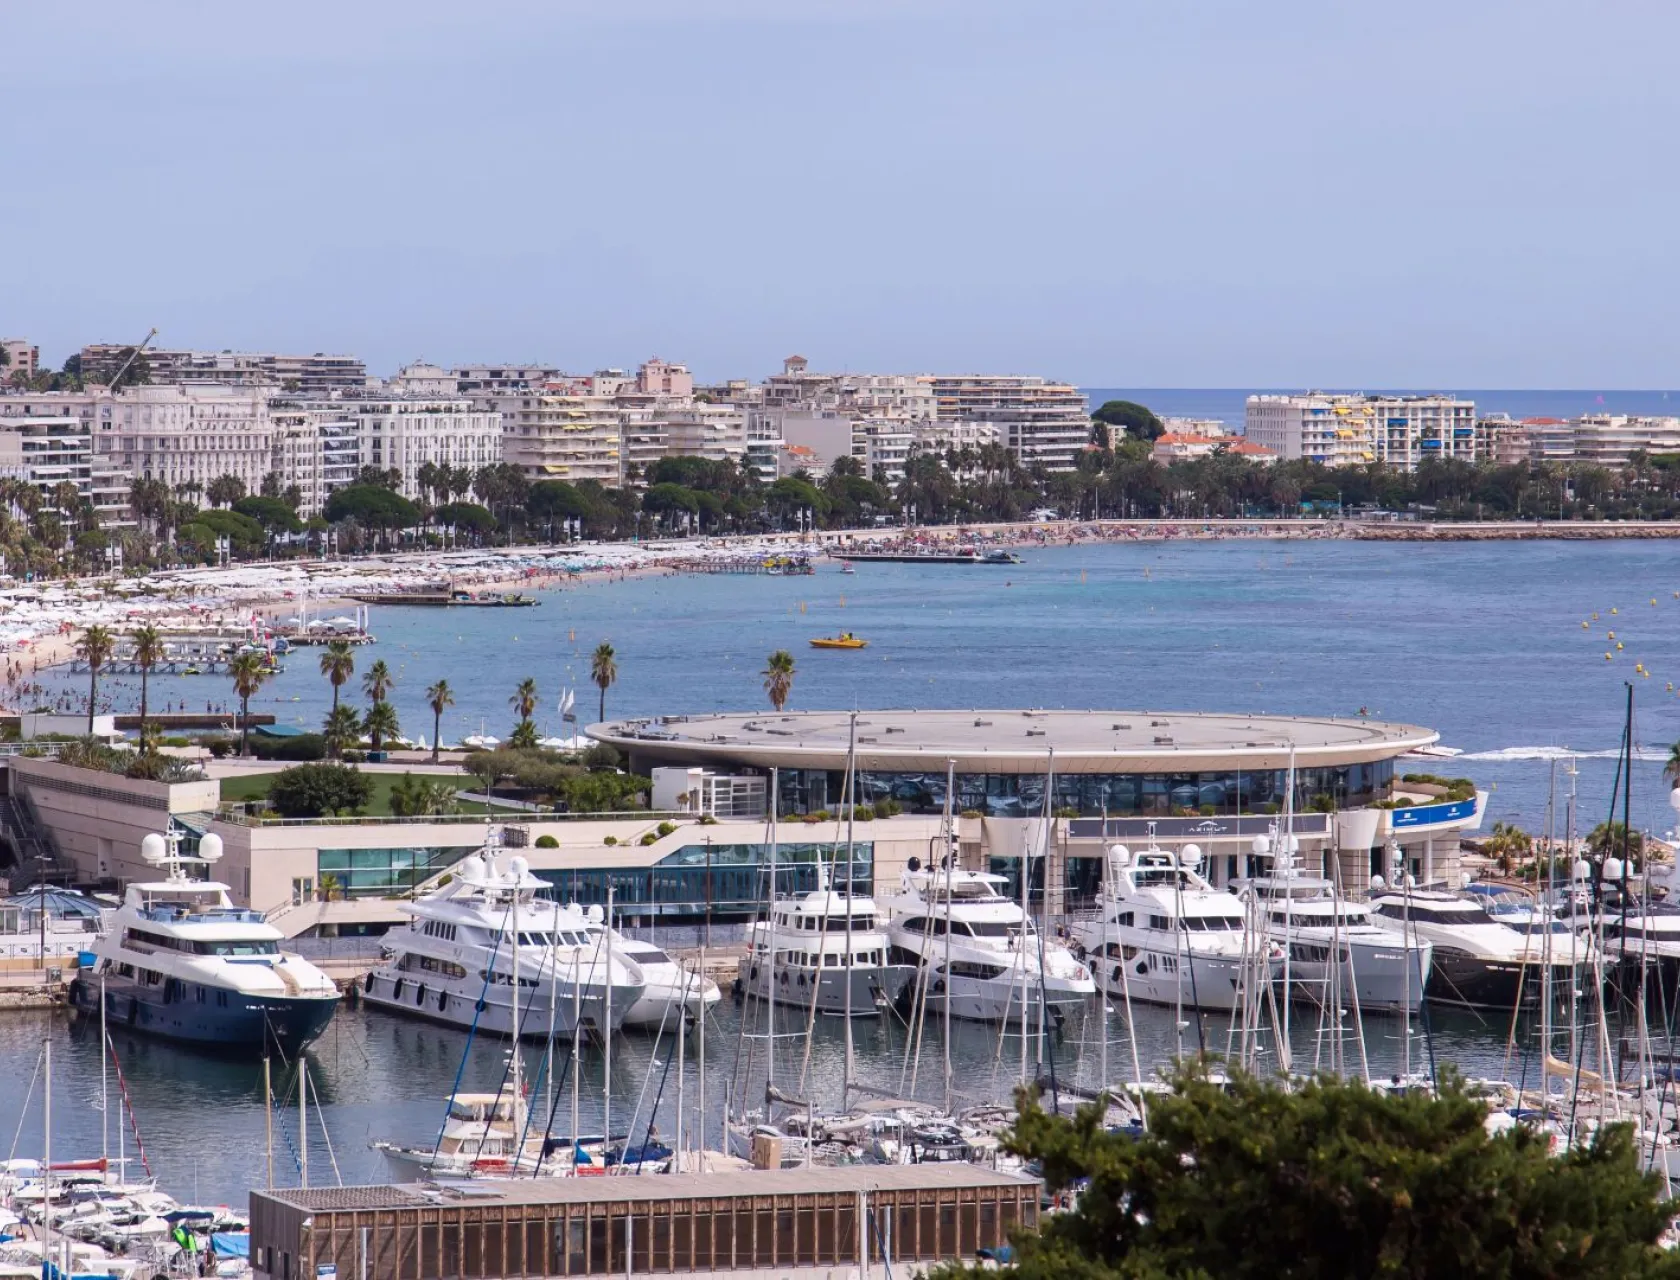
x=95 y=648
x=271 y=512
x=1509 y=844
x=249 y=669
x=148 y=652
x=439 y=697
x=603 y=670
x=523 y=737
x=1610 y=839
x=338 y=664
x=378 y=681
x=413 y=797
x=372 y=506
x=1132 y=417
x=225 y=490
x=778 y=678
x=1328 y=1179
x=524 y=699
x=1671 y=769
x=466 y=517
x=315 y=790
x=380 y=724
x=342 y=729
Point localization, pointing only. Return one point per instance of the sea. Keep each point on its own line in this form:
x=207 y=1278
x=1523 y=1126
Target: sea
x=1502 y=648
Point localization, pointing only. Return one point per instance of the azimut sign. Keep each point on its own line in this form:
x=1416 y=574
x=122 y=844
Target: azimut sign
x=1225 y=828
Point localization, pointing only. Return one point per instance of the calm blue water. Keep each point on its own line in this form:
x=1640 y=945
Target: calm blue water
x=1226 y=403
x=1480 y=641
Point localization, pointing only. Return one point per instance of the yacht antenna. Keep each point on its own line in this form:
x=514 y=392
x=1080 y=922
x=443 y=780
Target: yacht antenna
x=606 y=1030
x=516 y=872
x=770 y=934
x=303 y=1124
x=851 y=818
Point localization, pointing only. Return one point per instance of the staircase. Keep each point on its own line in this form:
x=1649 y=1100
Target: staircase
x=38 y=853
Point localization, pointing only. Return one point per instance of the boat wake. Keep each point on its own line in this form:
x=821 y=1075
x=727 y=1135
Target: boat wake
x=1558 y=753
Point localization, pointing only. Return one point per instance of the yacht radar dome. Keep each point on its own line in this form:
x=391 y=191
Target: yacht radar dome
x=517 y=867
x=1262 y=846
x=153 y=849
x=1120 y=853
x=1582 y=870
x=1613 y=869
x=596 y=914
x=1190 y=856
x=210 y=847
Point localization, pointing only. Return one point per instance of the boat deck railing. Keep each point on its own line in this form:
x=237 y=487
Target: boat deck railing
x=239 y=814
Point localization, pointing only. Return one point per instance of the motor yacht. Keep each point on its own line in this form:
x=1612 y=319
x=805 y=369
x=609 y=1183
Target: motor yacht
x=1645 y=939
x=1477 y=960
x=816 y=946
x=666 y=984
x=492 y=1135
x=1304 y=914
x=485 y=949
x=181 y=961
x=978 y=950
x=1167 y=936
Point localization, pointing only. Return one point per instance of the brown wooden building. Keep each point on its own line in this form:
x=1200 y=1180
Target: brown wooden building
x=857 y=1216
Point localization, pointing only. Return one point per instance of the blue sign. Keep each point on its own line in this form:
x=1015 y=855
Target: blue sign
x=1429 y=814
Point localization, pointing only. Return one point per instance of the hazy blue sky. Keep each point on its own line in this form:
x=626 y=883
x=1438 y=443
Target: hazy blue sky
x=1451 y=193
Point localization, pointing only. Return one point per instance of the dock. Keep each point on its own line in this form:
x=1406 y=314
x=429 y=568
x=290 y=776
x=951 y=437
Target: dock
x=776 y=567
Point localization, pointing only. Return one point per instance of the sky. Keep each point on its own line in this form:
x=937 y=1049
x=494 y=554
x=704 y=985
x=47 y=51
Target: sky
x=1143 y=193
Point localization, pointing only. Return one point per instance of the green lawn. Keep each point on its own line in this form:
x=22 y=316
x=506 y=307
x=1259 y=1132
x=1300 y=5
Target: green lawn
x=255 y=787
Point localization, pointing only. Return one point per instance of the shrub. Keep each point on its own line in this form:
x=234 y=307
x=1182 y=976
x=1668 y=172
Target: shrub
x=354 y=757
x=1067 y=811
x=864 y=813
x=547 y=842
x=175 y=740
x=966 y=813
x=666 y=828
x=609 y=840
x=706 y=820
x=218 y=746
x=650 y=837
x=890 y=808
x=312 y=790
x=303 y=746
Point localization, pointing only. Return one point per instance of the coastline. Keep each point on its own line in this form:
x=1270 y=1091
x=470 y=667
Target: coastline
x=40 y=623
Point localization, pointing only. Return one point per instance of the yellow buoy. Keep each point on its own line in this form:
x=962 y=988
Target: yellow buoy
x=1639 y=666
x=1609 y=635
x=1618 y=644
x=1583 y=626
x=1613 y=610
x=1595 y=617
x=1607 y=657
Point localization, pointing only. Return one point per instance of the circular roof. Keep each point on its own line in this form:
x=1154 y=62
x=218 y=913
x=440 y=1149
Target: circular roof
x=1016 y=741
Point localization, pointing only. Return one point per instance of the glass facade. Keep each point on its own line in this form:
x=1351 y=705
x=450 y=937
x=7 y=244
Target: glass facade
x=1021 y=795
x=733 y=878
x=373 y=873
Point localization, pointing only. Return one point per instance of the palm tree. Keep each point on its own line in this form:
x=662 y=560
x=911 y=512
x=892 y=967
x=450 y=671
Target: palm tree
x=148 y=652
x=378 y=682
x=438 y=697
x=778 y=678
x=95 y=648
x=524 y=699
x=338 y=664
x=603 y=670
x=380 y=723
x=523 y=737
x=249 y=670
x=343 y=728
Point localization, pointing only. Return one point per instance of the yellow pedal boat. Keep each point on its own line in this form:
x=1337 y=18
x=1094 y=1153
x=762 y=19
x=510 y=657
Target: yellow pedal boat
x=844 y=641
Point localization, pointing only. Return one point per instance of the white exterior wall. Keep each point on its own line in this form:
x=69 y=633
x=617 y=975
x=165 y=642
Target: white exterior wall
x=403 y=435
x=1335 y=430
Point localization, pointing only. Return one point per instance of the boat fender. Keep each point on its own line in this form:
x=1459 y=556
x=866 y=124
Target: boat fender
x=76 y=993
x=754 y=973
x=801 y=979
x=1142 y=968
x=133 y=1009
x=369 y=985
x=479 y=1007
x=443 y=1001
x=1119 y=974
x=938 y=985
x=420 y=994
x=396 y=989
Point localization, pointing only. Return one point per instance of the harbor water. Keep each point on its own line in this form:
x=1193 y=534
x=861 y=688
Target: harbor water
x=1481 y=641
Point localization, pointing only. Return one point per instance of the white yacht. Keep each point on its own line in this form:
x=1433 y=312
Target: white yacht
x=1167 y=936
x=1477 y=960
x=1305 y=915
x=458 y=960
x=665 y=983
x=824 y=942
x=977 y=948
x=180 y=960
x=492 y=1135
x=1646 y=939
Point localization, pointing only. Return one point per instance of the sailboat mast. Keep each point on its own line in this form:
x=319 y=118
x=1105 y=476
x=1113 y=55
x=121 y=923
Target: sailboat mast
x=577 y=1046
x=268 y=1119
x=950 y=871
x=700 y=1105
x=513 y=1030
x=1020 y=944
x=770 y=935
x=682 y=1068
x=851 y=819
x=303 y=1123
x=606 y=1031
x=104 y=1073
x=46 y=1148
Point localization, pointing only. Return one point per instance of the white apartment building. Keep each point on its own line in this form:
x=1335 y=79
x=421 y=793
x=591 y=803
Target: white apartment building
x=717 y=432
x=309 y=375
x=883 y=446
x=47 y=452
x=1336 y=430
x=1408 y=429
x=420 y=379
x=940 y=436
x=1040 y=422
x=404 y=434
x=565 y=432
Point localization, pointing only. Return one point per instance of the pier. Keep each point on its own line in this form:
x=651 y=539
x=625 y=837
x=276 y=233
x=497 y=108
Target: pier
x=778 y=566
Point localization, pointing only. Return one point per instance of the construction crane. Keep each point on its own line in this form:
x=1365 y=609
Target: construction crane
x=134 y=355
